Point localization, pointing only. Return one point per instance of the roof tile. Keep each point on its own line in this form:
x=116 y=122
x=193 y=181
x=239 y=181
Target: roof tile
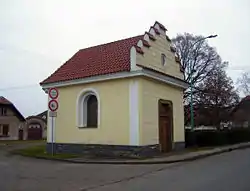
x=98 y=60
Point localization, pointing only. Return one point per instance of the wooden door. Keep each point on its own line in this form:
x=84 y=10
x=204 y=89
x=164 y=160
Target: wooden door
x=20 y=134
x=165 y=127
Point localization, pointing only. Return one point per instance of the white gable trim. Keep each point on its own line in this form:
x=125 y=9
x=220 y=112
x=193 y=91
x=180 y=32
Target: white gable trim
x=146 y=37
x=157 y=26
x=133 y=66
x=140 y=44
x=152 y=31
x=119 y=75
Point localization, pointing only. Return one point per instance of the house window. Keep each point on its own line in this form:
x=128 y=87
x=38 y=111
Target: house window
x=88 y=109
x=4 y=130
x=3 y=111
x=163 y=59
x=92 y=111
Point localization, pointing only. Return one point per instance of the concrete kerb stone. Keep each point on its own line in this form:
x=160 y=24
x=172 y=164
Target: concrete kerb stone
x=163 y=160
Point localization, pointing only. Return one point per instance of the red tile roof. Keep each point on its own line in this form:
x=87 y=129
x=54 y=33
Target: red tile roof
x=98 y=60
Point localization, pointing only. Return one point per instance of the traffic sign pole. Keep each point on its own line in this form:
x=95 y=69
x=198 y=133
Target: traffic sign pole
x=53 y=106
x=52 y=134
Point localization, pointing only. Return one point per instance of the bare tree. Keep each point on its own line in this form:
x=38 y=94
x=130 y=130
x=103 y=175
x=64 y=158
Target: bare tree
x=217 y=94
x=198 y=59
x=244 y=83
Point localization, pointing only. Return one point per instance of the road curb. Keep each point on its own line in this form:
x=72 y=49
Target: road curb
x=141 y=162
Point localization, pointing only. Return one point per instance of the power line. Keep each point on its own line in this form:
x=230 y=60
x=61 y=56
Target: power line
x=18 y=87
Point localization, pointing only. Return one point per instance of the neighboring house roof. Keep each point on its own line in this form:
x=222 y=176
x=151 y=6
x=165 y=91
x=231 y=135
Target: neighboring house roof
x=35 y=117
x=7 y=103
x=39 y=116
x=103 y=59
x=45 y=113
x=4 y=101
x=242 y=102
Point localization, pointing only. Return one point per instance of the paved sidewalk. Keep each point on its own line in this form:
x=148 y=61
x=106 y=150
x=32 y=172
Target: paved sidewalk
x=163 y=160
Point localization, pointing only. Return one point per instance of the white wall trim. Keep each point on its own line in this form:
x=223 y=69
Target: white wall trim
x=146 y=37
x=165 y=79
x=152 y=31
x=134 y=132
x=81 y=107
x=99 y=78
x=157 y=26
x=133 y=66
x=119 y=75
x=140 y=44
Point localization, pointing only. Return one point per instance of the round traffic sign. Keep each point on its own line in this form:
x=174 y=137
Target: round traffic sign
x=53 y=93
x=53 y=105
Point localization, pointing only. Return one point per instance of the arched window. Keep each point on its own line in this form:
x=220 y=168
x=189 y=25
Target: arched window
x=163 y=59
x=88 y=108
x=92 y=111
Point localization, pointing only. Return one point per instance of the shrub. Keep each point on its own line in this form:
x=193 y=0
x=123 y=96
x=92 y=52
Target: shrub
x=216 y=137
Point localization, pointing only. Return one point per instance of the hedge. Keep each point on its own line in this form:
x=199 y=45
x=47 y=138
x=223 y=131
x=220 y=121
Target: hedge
x=216 y=137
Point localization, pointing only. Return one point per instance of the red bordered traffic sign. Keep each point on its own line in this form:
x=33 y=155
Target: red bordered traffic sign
x=53 y=93
x=53 y=105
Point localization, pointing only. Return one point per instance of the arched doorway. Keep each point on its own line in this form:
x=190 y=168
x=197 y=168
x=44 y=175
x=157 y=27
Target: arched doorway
x=165 y=125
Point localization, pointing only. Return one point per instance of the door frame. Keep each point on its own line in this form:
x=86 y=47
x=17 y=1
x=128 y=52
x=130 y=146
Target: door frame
x=170 y=103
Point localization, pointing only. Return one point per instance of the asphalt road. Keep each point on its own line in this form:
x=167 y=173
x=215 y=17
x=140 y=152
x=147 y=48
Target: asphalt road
x=226 y=172
x=229 y=171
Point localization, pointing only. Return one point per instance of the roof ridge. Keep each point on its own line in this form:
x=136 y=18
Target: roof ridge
x=107 y=43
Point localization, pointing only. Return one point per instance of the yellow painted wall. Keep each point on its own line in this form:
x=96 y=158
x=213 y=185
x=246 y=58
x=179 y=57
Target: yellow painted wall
x=150 y=93
x=152 y=57
x=114 y=114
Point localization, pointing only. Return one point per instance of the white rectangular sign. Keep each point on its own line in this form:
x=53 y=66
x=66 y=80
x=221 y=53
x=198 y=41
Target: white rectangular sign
x=52 y=113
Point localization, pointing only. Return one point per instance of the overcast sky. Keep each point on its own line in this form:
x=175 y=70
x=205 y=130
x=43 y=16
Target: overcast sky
x=36 y=37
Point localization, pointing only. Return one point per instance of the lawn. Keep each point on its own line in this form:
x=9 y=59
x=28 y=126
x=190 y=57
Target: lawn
x=9 y=142
x=40 y=152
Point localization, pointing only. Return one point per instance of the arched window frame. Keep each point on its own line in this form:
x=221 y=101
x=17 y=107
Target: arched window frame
x=81 y=107
x=163 y=59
